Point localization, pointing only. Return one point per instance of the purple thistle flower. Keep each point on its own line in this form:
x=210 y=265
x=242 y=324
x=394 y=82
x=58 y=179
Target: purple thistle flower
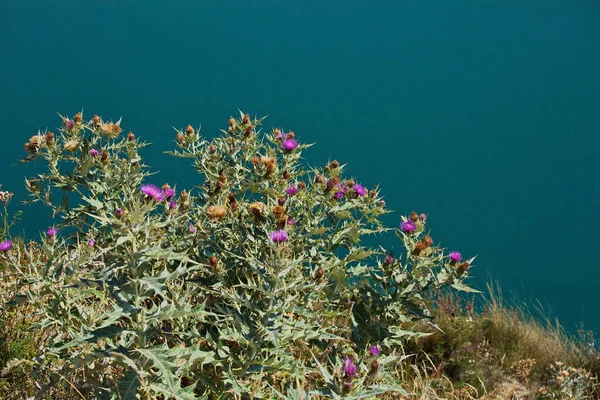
x=279 y=136
x=279 y=236
x=408 y=226
x=118 y=212
x=192 y=228
x=360 y=190
x=289 y=144
x=340 y=194
x=350 y=369
x=169 y=193
x=172 y=204
x=153 y=191
x=375 y=351
x=5 y=245
x=423 y=217
x=291 y=221
x=291 y=190
x=91 y=242
x=94 y=153
x=455 y=256
x=51 y=232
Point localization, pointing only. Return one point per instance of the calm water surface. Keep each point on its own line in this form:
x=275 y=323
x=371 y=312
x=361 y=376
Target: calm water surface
x=481 y=113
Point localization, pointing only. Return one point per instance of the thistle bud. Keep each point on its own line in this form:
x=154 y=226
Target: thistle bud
x=245 y=119
x=255 y=161
x=372 y=193
x=212 y=149
x=233 y=204
x=49 y=137
x=374 y=367
x=96 y=121
x=319 y=179
x=77 y=118
x=184 y=196
x=220 y=185
x=286 y=175
x=223 y=177
x=414 y=217
x=249 y=130
x=319 y=274
x=104 y=156
x=334 y=164
x=68 y=124
x=291 y=135
x=189 y=130
x=232 y=124
x=428 y=240
x=281 y=201
x=419 y=247
x=213 y=261
x=463 y=267
x=301 y=185
x=130 y=137
x=180 y=137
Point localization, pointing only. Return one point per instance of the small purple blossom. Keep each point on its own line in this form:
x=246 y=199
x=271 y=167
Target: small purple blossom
x=279 y=236
x=94 y=153
x=389 y=259
x=118 y=212
x=338 y=195
x=279 y=136
x=375 y=351
x=360 y=190
x=68 y=124
x=408 y=226
x=289 y=144
x=350 y=369
x=153 y=191
x=330 y=184
x=423 y=217
x=169 y=192
x=291 y=221
x=51 y=232
x=192 y=228
x=5 y=245
x=91 y=243
x=291 y=190
x=455 y=256
x=172 y=204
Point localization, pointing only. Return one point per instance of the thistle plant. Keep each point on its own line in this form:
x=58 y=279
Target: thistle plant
x=256 y=284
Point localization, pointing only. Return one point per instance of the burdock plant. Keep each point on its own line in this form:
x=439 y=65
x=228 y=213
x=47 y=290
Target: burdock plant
x=257 y=284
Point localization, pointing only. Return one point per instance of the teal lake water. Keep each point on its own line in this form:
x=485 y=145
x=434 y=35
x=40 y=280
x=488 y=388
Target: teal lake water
x=485 y=114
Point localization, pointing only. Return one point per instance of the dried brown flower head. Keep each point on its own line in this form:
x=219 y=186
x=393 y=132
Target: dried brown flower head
x=216 y=213
x=71 y=145
x=110 y=130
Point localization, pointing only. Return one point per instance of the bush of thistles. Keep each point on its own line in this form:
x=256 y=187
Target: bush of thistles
x=254 y=286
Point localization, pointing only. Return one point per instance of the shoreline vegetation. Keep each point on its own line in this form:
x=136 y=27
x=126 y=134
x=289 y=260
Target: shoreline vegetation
x=253 y=284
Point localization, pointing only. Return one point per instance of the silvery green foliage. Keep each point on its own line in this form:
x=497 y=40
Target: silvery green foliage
x=192 y=298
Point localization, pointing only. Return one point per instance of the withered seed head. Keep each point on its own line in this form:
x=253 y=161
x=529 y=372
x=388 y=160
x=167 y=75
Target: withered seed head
x=220 y=185
x=277 y=211
x=255 y=161
x=246 y=119
x=180 y=137
x=104 y=155
x=189 y=130
x=286 y=175
x=291 y=135
x=281 y=201
x=463 y=267
x=216 y=213
x=301 y=185
x=96 y=121
x=372 y=193
x=223 y=177
x=49 y=137
x=334 y=164
x=212 y=149
x=77 y=118
x=319 y=179
x=130 y=137
x=213 y=261
x=414 y=217
x=419 y=247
